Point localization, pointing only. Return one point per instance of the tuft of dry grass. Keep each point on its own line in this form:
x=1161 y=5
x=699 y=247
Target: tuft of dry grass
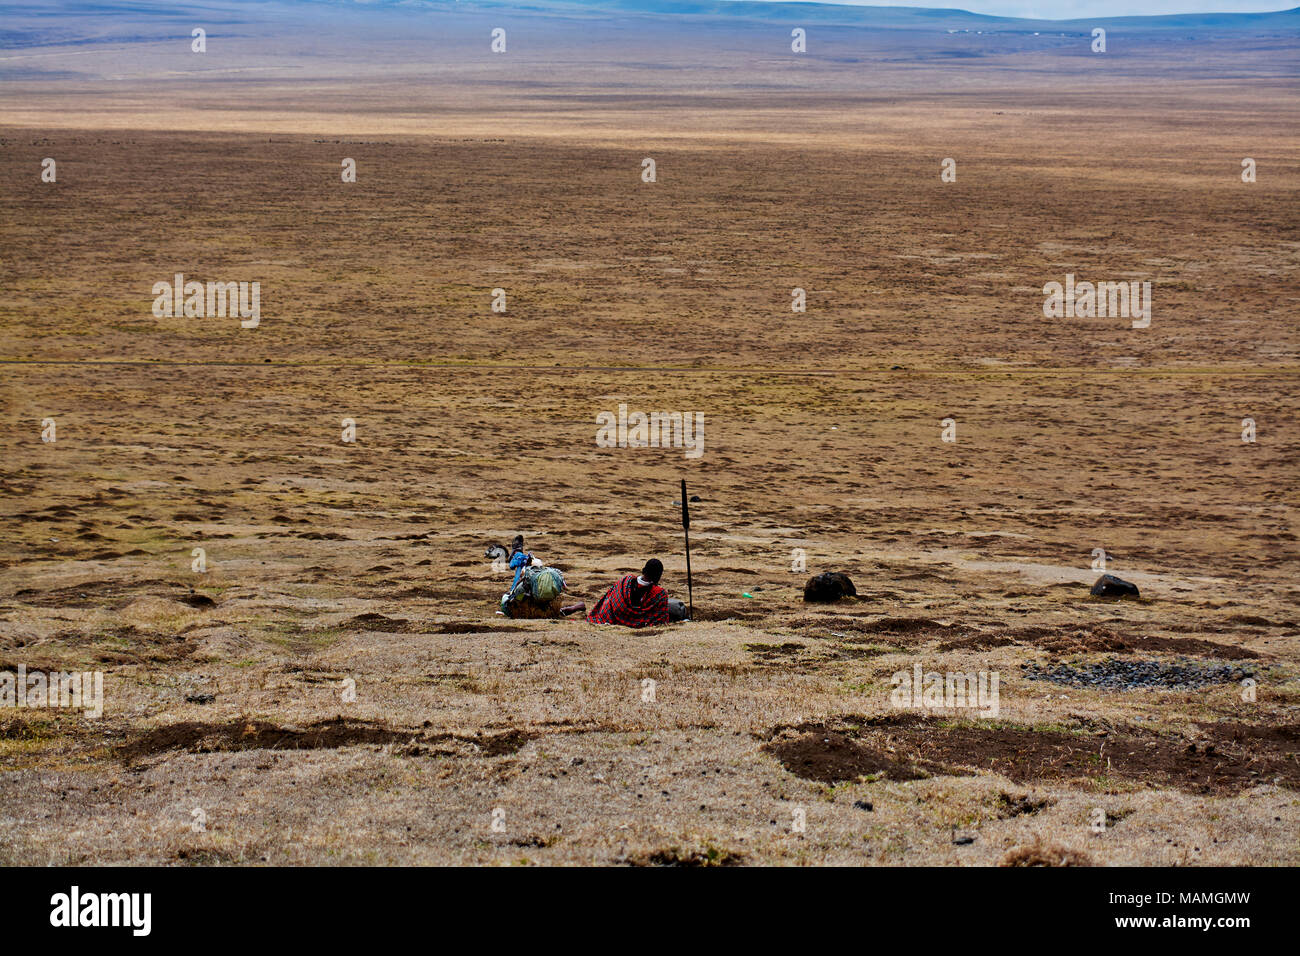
x=1044 y=854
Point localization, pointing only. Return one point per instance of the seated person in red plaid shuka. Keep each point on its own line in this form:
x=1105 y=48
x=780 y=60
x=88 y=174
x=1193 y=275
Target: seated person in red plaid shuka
x=635 y=601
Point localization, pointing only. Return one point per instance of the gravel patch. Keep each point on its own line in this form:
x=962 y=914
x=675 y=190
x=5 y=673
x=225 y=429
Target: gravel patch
x=1115 y=674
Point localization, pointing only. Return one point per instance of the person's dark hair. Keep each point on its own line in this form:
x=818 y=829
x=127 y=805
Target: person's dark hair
x=517 y=544
x=653 y=570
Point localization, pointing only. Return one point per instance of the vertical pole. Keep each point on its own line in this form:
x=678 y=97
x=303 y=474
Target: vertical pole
x=686 y=530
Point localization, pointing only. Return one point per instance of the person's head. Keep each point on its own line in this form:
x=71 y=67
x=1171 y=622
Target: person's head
x=517 y=544
x=653 y=570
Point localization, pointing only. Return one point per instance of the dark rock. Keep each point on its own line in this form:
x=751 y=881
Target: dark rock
x=677 y=610
x=863 y=805
x=828 y=587
x=200 y=698
x=1109 y=586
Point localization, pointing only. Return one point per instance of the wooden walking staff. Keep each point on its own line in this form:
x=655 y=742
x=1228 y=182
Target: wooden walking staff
x=686 y=530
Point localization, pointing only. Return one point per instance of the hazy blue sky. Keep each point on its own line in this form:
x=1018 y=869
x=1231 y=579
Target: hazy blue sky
x=1069 y=9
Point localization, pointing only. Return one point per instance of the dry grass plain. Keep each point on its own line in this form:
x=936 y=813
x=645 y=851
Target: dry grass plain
x=331 y=561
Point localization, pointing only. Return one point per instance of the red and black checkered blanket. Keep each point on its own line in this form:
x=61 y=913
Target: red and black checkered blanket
x=631 y=605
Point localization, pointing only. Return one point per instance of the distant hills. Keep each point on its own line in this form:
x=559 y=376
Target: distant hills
x=926 y=18
x=26 y=23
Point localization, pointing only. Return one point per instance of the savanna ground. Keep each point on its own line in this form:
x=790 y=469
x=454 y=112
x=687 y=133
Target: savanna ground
x=331 y=562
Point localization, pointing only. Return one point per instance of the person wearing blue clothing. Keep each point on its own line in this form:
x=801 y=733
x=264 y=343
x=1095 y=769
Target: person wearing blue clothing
x=519 y=559
x=518 y=562
x=538 y=596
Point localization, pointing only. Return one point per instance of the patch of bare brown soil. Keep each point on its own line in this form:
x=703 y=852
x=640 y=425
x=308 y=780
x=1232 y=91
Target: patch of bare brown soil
x=830 y=757
x=501 y=745
x=774 y=652
x=1076 y=640
x=469 y=627
x=1283 y=737
x=381 y=623
x=110 y=594
x=1073 y=639
x=978 y=642
x=1191 y=645
x=1231 y=757
x=197 y=737
x=1017 y=805
x=884 y=625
